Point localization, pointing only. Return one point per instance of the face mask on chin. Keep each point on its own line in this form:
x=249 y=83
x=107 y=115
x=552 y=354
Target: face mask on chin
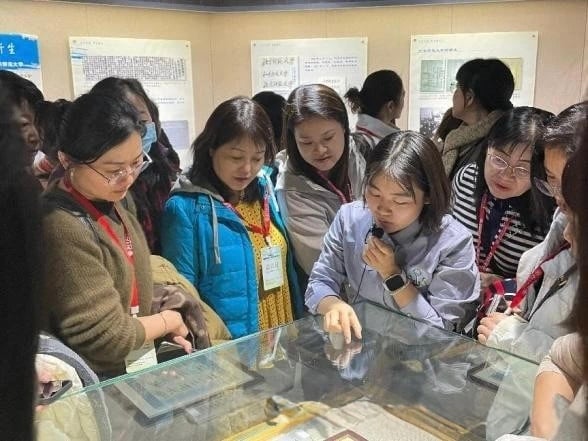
x=149 y=137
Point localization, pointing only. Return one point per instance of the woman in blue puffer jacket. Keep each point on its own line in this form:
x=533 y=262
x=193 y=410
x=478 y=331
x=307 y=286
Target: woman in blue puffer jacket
x=222 y=227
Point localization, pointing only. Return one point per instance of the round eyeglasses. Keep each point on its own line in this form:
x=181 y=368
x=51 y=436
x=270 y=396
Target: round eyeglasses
x=500 y=164
x=119 y=176
x=546 y=188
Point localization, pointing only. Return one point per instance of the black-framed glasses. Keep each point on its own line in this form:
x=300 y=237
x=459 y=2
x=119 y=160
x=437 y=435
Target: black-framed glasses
x=500 y=164
x=119 y=176
x=453 y=86
x=546 y=188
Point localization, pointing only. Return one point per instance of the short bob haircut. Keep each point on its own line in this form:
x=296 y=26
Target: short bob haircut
x=412 y=159
x=95 y=123
x=378 y=88
x=519 y=126
x=236 y=118
x=490 y=80
x=316 y=101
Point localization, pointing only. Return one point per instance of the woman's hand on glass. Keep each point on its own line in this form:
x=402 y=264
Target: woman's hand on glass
x=339 y=317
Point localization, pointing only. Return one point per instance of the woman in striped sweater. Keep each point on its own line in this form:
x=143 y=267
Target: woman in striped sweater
x=495 y=200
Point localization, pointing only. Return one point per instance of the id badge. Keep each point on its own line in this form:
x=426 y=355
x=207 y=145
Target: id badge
x=271 y=267
x=141 y=358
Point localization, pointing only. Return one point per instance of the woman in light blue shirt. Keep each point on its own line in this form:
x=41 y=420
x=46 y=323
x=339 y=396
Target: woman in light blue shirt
x=399 y=247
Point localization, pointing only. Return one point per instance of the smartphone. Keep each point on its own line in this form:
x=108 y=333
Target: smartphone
x=52 y=391
x=168 y=351
x=498 y=304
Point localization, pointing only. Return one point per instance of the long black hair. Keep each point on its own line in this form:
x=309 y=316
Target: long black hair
x=574 y=184
x=21 y=263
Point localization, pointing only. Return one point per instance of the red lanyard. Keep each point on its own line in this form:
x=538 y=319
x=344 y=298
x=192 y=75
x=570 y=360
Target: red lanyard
x=127 y=248
x=264 y=229
x=495 y=243
x=367 y=132
x=334 y=189
x=534 y=277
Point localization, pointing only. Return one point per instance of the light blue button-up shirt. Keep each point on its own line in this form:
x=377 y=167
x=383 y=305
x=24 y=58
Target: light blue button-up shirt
x=441 y=265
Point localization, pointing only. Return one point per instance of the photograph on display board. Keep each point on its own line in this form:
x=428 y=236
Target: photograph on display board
x=435 y=60
x=430 y=119
x=432 y=75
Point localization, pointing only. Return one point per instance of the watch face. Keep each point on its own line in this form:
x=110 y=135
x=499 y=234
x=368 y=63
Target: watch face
x=394 y=283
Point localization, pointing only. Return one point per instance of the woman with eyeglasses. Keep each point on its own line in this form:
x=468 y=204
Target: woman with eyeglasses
x=558 y=411
x=151 y=188
x=494 y=198
x=547 y=279
x=481 y=94
x=97 y=282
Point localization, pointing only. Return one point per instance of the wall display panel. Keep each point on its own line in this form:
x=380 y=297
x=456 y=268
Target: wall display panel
x=283 y=65
x=221 y=42
x=164 y=67
x=20 y=54
x=435 y=59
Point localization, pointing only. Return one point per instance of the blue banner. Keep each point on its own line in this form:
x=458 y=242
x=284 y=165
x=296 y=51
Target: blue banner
x=19 y=51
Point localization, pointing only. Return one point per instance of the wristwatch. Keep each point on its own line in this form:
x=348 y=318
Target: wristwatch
x=395 y=282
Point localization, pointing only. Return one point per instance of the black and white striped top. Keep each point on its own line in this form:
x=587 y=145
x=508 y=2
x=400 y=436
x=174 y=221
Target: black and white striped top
x=518 y=239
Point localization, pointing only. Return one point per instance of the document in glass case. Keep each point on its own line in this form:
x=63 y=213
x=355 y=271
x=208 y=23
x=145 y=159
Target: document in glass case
x=197 y=379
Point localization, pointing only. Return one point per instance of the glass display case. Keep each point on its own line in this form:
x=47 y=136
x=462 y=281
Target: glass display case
x=405 y=380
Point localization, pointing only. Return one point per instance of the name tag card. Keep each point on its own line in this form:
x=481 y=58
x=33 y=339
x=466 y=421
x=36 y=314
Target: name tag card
x=271 y=267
